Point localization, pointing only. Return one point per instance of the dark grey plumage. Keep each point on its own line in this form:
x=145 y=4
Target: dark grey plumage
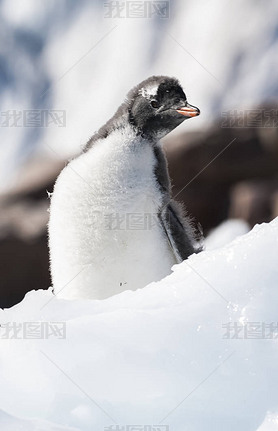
x=176 y=224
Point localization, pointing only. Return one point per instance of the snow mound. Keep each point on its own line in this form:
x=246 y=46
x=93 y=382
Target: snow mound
x=197 y=350
x=225 y=233
x=270 y=423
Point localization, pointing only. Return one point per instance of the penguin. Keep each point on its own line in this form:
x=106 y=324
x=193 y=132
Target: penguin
x=114 y=224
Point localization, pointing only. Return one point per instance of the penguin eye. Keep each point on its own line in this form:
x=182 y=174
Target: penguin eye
x=154 y=104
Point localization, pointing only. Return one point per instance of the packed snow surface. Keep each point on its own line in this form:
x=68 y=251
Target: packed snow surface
x=196 y=351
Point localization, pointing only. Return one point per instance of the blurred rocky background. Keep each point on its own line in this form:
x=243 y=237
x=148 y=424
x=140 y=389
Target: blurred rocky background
x=65 y=67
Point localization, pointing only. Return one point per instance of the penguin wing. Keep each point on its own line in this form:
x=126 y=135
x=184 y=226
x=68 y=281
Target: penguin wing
x=178 y=231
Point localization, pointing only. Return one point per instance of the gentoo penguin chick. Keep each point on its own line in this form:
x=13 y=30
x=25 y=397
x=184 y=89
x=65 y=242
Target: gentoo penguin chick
x=113 y=224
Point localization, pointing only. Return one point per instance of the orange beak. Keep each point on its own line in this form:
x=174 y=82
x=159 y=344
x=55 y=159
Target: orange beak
x=189 y=111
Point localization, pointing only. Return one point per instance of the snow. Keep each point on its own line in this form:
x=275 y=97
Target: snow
x=226 y=232
x=270 y=423
x=156 y=355
x=11 y=423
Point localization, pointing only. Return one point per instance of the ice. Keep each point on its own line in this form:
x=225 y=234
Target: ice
x=197 y=350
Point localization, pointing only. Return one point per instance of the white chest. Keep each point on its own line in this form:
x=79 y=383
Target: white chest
x=103 y=218
x=117 y=174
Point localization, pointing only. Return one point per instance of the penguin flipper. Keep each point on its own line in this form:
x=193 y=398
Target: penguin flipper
x=179 y=231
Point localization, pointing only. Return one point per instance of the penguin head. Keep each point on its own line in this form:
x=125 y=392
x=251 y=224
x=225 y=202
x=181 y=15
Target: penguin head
x=158 y=105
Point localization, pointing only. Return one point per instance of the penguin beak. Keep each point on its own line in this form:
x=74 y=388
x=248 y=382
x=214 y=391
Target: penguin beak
x=189 y=111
